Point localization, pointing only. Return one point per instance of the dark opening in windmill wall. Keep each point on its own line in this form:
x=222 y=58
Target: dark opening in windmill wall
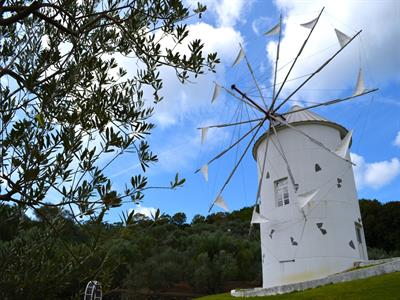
x=320 y=225
x=271 y=233
x=351 y=244
x=339 y=182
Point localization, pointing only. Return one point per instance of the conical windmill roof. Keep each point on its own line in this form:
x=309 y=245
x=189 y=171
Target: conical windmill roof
x=303 y=115
x=298 y=116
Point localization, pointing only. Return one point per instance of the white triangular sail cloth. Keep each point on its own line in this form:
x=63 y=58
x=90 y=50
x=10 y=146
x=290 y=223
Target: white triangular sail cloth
x=305 y=198
x=274 y=30
x=342 y=38
x=310 y=24
x=204 y=171
x=258 y=218
x=217 y=91
x=220 y=202
x=343 y=148
x=204 y=132
x=238 y=57
x=360 y=87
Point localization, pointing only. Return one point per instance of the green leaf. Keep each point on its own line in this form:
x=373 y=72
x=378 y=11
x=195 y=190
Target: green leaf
x=31 y=174
x=39 y=118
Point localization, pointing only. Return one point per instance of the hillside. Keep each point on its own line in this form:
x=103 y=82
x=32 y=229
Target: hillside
x=167 y=258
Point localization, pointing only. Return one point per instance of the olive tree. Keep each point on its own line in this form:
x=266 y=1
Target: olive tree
x=68 y=109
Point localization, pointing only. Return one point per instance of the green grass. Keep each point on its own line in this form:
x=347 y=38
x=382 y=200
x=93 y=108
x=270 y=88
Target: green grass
x=374 y=288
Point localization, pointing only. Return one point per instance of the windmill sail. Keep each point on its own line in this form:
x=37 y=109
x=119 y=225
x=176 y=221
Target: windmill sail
x=360 y=87
x=220 y=202
x=344 y=146
x=310 y=24
x=204 y=171
x=258 y=218
x=217 y=91
x=204 y=132
x=238 y=57
x=306 y=198
x=274 y=30
x=342 y=38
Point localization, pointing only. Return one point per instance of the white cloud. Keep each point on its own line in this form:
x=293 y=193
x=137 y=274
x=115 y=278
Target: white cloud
x=192 y=100
x=397 y=140
x=374 y=175
x=228 y=12
x=377 y=46
x=183 y=102
x=146 y=211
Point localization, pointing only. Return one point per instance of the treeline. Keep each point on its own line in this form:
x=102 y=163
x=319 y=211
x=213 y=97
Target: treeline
x=381 y=223
x=166 y=259
x=52 y=257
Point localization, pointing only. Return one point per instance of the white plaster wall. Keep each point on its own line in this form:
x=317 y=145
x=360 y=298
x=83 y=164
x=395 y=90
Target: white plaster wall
x=316 y=255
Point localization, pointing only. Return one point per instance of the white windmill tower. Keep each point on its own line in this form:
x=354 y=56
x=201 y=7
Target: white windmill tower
x=306 y=201
x=314 y=224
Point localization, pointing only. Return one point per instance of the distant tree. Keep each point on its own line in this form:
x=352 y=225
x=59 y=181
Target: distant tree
x=243 y=214
x=198 y=219
x=178 y=219
x=217 y=218
x=390 y=217
x=370 y=213
x=68 y=110
x=10 y=219
x=381 y=223
x=48 y=212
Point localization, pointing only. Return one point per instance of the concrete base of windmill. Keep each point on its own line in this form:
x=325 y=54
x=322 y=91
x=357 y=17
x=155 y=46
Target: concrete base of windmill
x=362 y=269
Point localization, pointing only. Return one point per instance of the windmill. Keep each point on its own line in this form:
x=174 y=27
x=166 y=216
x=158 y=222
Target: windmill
x=306 y=201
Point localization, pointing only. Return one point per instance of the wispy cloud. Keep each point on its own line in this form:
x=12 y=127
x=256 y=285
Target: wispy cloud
x=184 y=149
x=261 y=25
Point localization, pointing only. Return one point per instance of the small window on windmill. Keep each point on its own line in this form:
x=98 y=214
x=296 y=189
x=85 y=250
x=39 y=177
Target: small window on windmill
x=281 y=192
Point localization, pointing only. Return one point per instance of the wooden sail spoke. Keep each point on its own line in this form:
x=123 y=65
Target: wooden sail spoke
x=233 y=145
x=231 y=124
x=239 y=161
x=316 y=72
x=330 y=102
x=282 y=153
x=295 y=60
x=254 y=78
x=242 y=99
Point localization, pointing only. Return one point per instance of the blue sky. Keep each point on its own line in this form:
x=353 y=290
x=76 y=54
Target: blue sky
x=374 y=118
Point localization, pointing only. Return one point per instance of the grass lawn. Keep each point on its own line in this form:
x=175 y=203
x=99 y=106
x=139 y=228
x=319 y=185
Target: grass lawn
x=374 y=288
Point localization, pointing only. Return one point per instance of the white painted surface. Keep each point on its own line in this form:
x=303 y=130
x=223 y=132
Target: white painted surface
x=316 y=255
